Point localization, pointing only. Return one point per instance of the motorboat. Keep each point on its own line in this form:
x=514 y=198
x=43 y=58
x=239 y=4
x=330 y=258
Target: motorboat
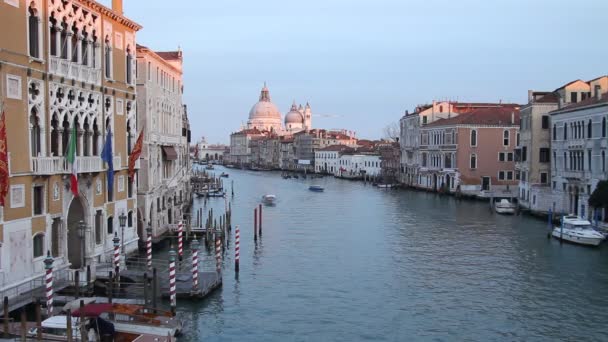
x=224 y=174
x=316 y=188
x=269 y=199
x=577 y=230
x=504 y=206
x=130 y=318
x=209 y=166
x=216 y=194
x=55 y=329
x=385 y=186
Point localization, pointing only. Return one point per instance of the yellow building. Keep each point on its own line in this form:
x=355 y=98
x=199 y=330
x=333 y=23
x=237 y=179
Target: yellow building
x=65 y=64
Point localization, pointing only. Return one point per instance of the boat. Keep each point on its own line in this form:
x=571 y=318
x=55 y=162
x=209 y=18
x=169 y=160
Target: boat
x=130 y=318
x=577 y=230
x=504 y=206
x=209 y=166
x=316 y=188
x=224 y=174
x=55 y=329
x=216 y=194
x=269 y=199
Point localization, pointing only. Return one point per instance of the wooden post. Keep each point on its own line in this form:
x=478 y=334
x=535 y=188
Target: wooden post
x=6 y=318
x=69 y=325
x=109 y=286
x=89 y=279
x=77 y=284
x=260 y=212
x=83 y=333
x=23 y=325
x=38 y=320
x=154 y=288
x=146 y=289
x=255 y=224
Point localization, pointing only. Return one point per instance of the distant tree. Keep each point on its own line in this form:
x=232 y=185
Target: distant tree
x=599 y=197
x=391 y=131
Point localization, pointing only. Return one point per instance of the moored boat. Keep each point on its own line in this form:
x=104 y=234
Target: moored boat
x=577 y=230
x=504 y=206
x=316 y=188
x=269 y=199
x=224 y=174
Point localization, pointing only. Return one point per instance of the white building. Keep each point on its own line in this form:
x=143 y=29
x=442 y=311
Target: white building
x=208 y=151
x=163 y=187
x=579 y=146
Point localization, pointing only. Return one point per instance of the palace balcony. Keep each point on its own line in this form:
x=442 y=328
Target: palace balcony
x=59 y=165
x=81 y=73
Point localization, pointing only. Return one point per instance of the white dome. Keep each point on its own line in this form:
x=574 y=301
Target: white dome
x=294 y=116
x=264 y=109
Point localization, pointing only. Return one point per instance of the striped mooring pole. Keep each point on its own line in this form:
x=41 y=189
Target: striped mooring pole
x=116 y=241
x=218 y=254
x=149 y=247
x=172 y=296
x=180 y=242
x=237 y=247
x=194 y=246
x=48 y=265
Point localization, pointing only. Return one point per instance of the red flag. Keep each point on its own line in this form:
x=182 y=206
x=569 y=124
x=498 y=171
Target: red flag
x=3 y=161
x=135 y=153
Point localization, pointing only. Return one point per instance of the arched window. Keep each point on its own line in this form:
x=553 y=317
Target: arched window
x=474 y=137
x=554 y=132
x=603 y=127
x=110 y=225
x=53 y=36
x=84 y=48
x=35 y=133
x=108 y=58
x=565 y=131
x=75 y=44
x=555 y=160
x=603 y=161
x=505 y=137
x=473 y=161
x=565 y=161
x=33 y=30
x=589 y=129
x=63 y=41
x=129 y=66
x=130 y=219
x=38 y=245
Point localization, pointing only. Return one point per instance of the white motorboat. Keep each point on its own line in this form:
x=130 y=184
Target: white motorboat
x=504 y=206
x=269 y=199
x=577 y=230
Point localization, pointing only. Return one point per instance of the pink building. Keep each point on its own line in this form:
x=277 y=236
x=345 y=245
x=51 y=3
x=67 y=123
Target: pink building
x=471 y=153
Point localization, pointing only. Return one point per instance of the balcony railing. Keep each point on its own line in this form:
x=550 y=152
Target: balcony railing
x=78 y=72
x=59 y=165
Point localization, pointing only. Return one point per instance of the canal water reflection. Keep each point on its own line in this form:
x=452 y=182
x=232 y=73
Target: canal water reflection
x=360 y=263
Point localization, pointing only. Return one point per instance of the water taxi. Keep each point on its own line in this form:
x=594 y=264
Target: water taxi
x=316 y=188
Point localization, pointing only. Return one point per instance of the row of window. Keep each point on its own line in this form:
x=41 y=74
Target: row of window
x=575 y=160
x=577 y=130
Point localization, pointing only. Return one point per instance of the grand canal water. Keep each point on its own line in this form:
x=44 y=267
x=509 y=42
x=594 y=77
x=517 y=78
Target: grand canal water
x=359 y=263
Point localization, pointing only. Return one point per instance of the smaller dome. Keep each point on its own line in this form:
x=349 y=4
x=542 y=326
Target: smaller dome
x=294 y=117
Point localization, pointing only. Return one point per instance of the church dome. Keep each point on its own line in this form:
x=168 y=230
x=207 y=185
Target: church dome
x=294 y=116
x=264 y=109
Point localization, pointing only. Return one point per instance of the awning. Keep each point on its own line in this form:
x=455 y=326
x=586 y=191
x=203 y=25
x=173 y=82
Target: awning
x=169 y=153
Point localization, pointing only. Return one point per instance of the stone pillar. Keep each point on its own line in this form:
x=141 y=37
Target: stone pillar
x=68 y=42
x=60 y=144
x=80 y=140
x=90 y=141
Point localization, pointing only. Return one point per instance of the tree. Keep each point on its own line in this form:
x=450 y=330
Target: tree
x=599 y=197
x=391 y=131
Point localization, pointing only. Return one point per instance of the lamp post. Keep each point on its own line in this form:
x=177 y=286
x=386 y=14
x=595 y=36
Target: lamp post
x=81 y=233
x=122 y=219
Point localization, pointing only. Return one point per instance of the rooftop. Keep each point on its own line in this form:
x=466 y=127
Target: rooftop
x=495 y=116
x=590 y=101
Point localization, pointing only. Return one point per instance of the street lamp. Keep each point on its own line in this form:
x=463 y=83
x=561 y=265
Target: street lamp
x=82 y=227
x=122 y=219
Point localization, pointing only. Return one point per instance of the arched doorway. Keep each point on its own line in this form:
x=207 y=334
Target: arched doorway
x=75 y=242
x=448 y=184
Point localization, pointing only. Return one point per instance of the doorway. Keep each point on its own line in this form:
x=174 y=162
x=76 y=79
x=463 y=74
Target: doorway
x=75 y=242
x=485 y=183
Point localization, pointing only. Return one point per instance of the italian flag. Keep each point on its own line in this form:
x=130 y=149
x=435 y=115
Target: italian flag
x=73 y=162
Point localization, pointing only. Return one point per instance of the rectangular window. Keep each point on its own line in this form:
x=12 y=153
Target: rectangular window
x=505 y=138
x=501 y=175
x=543 y=178
x=509 y=175
x=39 y=245
x=38 y=199
x=149 y=71
x=98 y=225
x=554 y=185
x=517 y=175
x=573 y=97
x=510 y=156
x=545 y=121
x=501 y=156
x=524 y=153
x=544 y=155
x=473 y=161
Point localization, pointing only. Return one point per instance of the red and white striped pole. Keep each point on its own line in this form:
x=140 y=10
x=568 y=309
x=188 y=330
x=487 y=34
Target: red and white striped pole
x=48 y=265
x=172 y=280
x=218 y=254
x=180 y=235
x=149 y=247
x=237 y=248
x=194 y=246
x=116 y=241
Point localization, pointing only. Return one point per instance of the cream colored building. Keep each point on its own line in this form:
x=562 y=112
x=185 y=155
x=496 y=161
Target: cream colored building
x=163 y=188
x=64 y=64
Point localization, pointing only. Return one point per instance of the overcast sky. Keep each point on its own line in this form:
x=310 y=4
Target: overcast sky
x=364 y=62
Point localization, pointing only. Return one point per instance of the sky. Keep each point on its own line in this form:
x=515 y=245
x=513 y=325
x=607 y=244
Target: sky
x=362 y=63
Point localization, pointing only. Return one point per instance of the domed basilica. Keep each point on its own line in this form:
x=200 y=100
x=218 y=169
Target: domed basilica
x=265 y=116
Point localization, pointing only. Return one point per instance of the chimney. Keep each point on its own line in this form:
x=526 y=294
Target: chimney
x=530 y=96
x=598 y=92
x=117 y=6
x=561 y=102
x=512 y=118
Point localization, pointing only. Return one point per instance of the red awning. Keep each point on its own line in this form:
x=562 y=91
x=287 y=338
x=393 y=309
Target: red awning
x=169 y=152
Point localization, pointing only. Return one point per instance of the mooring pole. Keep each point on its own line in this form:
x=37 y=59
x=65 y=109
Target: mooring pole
x=77 y=284
x=172 y=288
x=260 y=212
x=154 y=288
x=237 y=246
x=255 y=224
x=38 y=320
x=194 y=246
x=70 y=337
x=6 y=318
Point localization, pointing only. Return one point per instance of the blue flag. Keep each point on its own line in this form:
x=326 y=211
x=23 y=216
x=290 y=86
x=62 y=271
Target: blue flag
x=106 y=155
